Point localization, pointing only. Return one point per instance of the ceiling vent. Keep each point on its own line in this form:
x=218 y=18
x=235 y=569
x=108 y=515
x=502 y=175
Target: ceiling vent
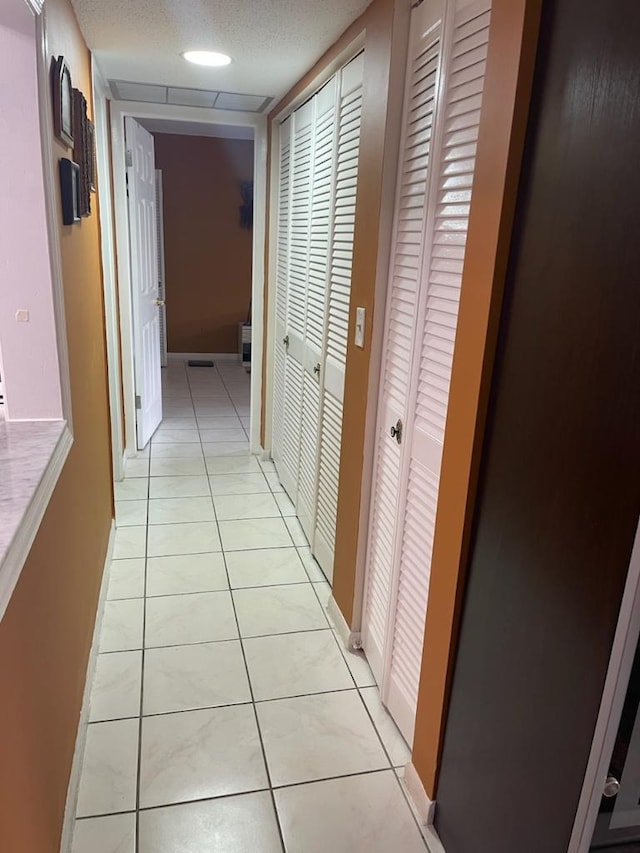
x=148 y=93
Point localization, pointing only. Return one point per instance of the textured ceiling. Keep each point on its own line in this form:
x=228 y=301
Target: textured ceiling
x=272 y=42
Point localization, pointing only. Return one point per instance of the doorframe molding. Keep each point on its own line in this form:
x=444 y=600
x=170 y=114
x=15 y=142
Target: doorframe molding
x=119 y=111
x=613 y=695
x=107 y=239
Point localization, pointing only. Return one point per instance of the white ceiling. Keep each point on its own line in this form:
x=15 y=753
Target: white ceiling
x=195 y=128
x=272 y=42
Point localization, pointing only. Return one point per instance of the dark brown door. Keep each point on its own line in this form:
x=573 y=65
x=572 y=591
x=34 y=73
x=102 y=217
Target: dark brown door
x=559 y=489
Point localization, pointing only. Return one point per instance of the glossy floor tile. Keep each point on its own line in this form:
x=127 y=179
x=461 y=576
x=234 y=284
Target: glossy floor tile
x=318 y=736
x=359 y=814
x=200 y=754
x=184 y=573
x=225 y=714
x=110 y=834
x=241 y=824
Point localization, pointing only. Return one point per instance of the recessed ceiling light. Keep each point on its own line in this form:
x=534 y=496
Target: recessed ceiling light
x=207 y=57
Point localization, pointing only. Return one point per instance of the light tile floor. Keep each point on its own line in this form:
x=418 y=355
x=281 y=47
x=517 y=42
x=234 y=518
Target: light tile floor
x=226 y=715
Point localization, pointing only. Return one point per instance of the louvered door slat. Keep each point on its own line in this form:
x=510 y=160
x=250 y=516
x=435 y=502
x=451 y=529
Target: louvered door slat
x=337 y=308
x=297 y=282
x=323 y=172
x=448 y=206
x=421 y=89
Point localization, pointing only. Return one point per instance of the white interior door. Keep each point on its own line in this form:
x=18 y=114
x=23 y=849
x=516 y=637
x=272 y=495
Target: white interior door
x=338 y=311
x=144 y=279
x=296 y=297
x=322 y=198
x=397 y=597
x=422 y=87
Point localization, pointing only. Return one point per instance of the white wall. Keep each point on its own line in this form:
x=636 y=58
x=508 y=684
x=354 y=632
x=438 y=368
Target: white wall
x=31 y=375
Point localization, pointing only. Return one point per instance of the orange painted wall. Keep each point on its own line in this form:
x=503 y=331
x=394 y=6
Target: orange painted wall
x=208 y=257
x=46 y=632
x=510 y=63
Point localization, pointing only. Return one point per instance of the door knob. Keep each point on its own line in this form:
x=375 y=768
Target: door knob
x=316 y=369
x=159 y=302
x=611 y=787
x=285 y=340
x=396 y=431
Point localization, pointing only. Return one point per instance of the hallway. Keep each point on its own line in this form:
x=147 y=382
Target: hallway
x=225 y=715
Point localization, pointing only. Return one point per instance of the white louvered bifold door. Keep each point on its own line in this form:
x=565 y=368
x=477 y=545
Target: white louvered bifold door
x=297 y=289
x=337 y=310
x=447 y=226
x=323 y=172
x=281 y=287
x=421 y=93
x=418 y=358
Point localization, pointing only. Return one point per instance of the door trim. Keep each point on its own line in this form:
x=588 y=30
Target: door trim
x=107 y=241
x=120 y=110
x=613 y=696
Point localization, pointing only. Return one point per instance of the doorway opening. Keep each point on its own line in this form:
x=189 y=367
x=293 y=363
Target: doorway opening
x=189 y=266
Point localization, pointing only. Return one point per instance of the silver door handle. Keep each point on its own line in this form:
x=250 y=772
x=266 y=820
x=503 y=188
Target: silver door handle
x=316 y=369
x=160 y=302
x=611 y=787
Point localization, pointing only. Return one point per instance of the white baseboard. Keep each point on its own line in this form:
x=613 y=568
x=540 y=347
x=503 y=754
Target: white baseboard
x=81 y=737
x=200 y=356
x=350 y=638
x=423 y=807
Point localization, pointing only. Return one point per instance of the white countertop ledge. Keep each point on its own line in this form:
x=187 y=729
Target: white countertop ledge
x=32 y=455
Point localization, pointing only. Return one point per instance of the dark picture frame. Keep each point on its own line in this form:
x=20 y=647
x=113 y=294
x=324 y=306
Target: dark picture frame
x=62 y=90
x=92 y=165
x=70 y=191
x=82 y=150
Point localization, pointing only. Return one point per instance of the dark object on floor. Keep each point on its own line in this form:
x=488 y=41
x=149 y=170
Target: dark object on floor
x=194 y=362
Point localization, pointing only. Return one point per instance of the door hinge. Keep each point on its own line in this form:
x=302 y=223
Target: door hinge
x=129 y=158
x=138 y=402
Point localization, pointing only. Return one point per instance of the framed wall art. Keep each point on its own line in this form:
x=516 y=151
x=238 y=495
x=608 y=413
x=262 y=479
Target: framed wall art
x=62 y=91
x=70 y=191
x=82 y=153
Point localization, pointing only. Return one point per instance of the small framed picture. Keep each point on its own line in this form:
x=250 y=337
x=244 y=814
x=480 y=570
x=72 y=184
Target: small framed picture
x=70 y=191
x=62 y=101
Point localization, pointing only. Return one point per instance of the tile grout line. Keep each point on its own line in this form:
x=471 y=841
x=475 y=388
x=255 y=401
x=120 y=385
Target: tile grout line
x=142 y=673
x=241 y=639
x=251 y=693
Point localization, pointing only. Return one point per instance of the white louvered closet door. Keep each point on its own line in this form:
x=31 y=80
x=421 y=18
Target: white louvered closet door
x=421 y=92
x=281 y=287
x=296 y=297
x=323 y=178
x=452 y=164
x=447 y=227
x=337 y=310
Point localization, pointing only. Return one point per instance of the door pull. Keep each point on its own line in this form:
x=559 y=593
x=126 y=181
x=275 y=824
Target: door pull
x=396 y=431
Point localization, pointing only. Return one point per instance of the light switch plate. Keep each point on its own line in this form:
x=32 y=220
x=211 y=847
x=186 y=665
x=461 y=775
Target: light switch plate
x=360 y=321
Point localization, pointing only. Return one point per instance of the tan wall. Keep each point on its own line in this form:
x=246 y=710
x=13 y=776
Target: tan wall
x=512 y=46
x=207 y=255
x=378 y=23
x=45 y=635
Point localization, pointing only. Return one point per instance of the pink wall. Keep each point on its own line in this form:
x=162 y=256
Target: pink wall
x=29 y=352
